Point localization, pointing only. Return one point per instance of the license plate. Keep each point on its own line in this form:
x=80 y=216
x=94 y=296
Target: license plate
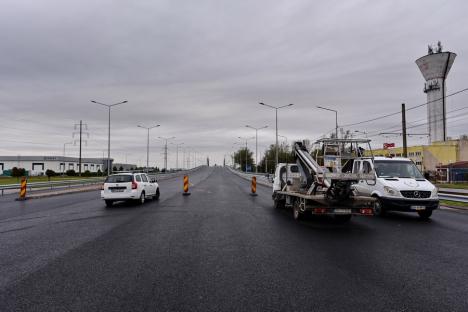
x=117 y=190
x=345 y=211
x=418 y=207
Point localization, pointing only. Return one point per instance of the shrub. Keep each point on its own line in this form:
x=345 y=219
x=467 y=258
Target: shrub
x=50 y=173
x=87 y=173
x=18 y=172
x=71 y=173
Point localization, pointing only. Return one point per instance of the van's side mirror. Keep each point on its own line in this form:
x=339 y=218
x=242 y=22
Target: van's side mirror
x=153 y=180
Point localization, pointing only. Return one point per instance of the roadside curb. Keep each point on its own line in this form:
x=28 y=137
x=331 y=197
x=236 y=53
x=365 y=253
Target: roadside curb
x=58 y=193
x=445 y=207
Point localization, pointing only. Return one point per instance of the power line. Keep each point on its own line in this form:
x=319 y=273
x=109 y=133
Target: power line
x=398 y=126
x=426 y=123
x=397 y=113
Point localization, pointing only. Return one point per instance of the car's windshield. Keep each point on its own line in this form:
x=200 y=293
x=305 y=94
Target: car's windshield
x=397 y=169
x=119 y=178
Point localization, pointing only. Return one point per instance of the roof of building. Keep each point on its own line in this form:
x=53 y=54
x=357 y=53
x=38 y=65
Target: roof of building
x=458 y=164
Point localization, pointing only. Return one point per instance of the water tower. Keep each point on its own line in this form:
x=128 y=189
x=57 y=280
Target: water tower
x=435 y=67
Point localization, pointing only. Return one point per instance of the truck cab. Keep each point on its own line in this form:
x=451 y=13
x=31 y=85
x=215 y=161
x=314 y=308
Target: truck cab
x=398 y=186
x=285 y=174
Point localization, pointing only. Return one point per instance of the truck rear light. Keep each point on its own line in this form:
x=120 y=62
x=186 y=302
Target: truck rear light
x=134 y=185
x=320 y=210
x=366 y=211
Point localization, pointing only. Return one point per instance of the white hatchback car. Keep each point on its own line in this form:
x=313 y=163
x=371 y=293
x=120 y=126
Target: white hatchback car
x=129 y=187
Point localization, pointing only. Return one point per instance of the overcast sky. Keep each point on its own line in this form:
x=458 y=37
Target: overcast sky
x=199 y=68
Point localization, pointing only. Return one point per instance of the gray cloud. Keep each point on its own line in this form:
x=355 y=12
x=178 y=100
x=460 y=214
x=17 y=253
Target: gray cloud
x=199 y=68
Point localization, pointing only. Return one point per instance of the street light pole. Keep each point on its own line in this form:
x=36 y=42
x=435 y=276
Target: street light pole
x=256 y=144
x=109 y=169
x=336 y=119
x=147 y=143
x=276 y=108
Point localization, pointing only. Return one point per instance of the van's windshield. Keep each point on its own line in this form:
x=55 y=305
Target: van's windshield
x=396 y=169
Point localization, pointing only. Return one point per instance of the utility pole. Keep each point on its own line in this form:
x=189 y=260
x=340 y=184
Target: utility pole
x=177 y=153
x=165 y=150
x=403 y=125
x=80 y=140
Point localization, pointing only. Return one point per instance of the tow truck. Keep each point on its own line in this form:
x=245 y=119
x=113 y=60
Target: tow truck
x=324 y=185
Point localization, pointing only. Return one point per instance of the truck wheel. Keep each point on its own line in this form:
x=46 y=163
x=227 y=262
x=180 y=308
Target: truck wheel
x=342 y=218
x=297 y=214
x=425 y=214
x=379 y=210
x=109 y=203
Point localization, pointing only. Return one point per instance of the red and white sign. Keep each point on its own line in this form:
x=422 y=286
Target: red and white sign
x=388 y=145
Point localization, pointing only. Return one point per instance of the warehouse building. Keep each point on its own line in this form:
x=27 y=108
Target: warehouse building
x=38 y=165
x=430 y=157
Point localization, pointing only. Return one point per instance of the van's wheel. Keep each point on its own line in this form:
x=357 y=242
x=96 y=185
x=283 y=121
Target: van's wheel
x=156 y=196
x=297 y=214
x=141 y=201
x=109 y=203
x=342 y=218
x=379 y=210
x=425 y=214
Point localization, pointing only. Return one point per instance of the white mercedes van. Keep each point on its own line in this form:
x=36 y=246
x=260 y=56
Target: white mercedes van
x=399 y=186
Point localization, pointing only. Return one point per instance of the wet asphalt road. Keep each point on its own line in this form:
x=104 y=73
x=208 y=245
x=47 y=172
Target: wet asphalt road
x=221 y=249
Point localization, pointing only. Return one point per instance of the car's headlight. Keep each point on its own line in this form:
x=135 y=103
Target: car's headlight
x=390 y=191
x=435 y=192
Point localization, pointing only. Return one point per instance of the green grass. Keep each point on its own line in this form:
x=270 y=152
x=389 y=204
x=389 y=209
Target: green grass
x=453 y=185
x=11 y=180
x=452 y=203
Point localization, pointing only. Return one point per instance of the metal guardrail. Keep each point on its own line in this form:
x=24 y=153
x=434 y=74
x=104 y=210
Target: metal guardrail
x=52 y=184
x=81 y=182
x=453 y=197
x=262 y=178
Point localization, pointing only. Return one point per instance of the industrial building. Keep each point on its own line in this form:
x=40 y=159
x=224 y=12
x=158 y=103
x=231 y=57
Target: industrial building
x=429 y=157
x=38 y=165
